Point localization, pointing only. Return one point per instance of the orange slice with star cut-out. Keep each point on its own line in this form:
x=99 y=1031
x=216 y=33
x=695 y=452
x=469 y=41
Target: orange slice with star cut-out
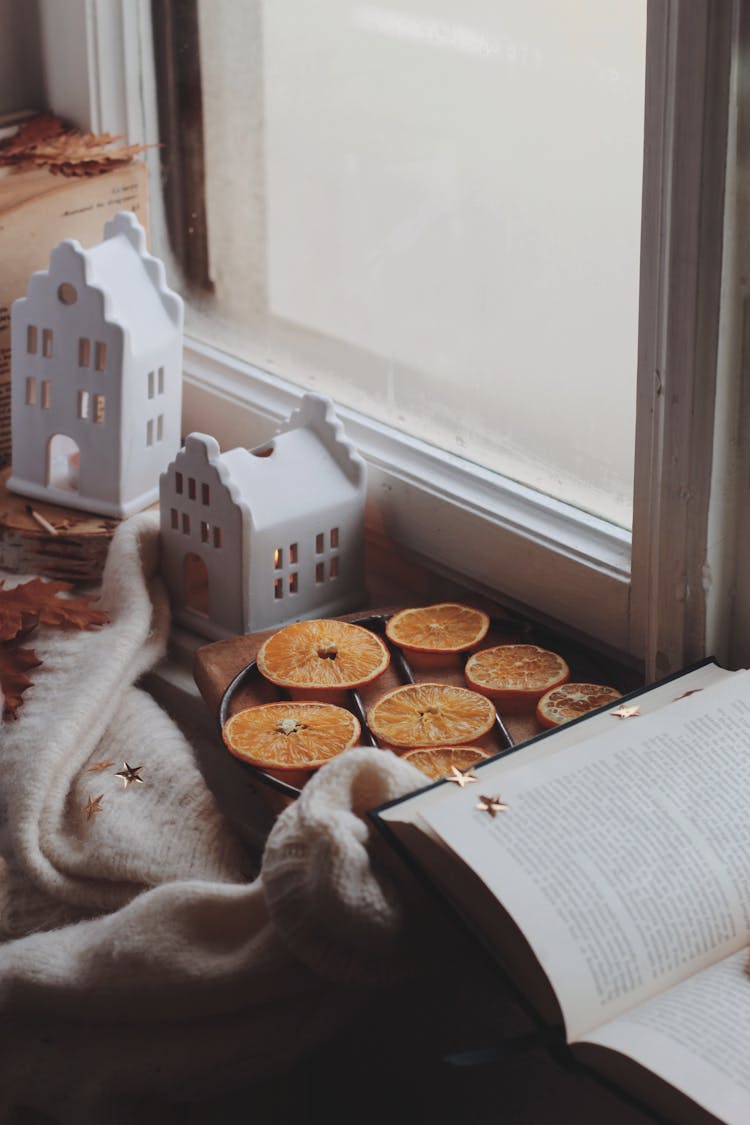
x=290 y=735
x=515 y=676
x=430 y=714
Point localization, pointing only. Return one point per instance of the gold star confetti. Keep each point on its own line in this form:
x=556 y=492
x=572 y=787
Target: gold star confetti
x=93 y=806
x=623 y=712
x=492 y=805
x=459 y=777
x=130 y=773
x=97 y=767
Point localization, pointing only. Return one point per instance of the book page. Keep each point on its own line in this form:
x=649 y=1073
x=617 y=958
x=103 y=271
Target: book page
x=696 y=1036
x=571 y=734
x=625 y=861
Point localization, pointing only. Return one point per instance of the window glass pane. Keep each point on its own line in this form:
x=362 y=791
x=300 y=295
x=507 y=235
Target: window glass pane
x=431 y=211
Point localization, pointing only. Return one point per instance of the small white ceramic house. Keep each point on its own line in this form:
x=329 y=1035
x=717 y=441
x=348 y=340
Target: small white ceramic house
x=252 y=539
x=96 y=375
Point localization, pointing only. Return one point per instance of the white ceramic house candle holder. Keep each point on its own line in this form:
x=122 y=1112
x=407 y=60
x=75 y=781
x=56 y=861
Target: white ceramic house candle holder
x=252 y=539
x=96 y=375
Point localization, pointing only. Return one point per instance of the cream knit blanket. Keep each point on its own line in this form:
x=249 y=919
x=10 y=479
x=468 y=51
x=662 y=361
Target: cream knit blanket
x=141 y=960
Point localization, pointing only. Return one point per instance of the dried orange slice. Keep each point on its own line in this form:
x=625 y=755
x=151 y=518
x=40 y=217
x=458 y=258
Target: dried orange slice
x=446 y=627
x=439 y=761
x=290 y=736
x=430 y=715
x=323 y=654
x=568 y=701
x=515 y=676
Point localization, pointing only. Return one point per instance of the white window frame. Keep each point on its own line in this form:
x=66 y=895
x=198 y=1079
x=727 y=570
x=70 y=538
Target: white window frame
x=668 y=600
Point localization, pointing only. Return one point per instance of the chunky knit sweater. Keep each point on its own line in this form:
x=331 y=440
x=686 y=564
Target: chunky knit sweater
x=143 y=953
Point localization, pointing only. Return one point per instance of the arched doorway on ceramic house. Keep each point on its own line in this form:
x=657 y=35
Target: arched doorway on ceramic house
x=63 y=468
x=195 y=584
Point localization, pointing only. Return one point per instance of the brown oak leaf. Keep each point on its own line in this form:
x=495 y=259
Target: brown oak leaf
x=41 y=598
x=45 y=141
x=35 y=131
x=14 y=663
x=17 y=615
x=22 y=607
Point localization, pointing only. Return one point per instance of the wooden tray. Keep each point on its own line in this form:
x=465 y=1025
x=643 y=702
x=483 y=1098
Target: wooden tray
x=228 y=680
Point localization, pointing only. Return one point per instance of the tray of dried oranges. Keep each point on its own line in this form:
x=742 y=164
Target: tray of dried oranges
x=442 y=685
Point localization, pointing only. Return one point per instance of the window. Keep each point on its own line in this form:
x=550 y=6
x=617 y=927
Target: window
x=100 y=356
x=689 y=496
x=414 y=292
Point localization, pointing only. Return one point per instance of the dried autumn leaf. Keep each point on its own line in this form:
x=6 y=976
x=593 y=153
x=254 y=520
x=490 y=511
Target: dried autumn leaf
x=14 y=663
x=46 y=142
x=35 y=131
x=65 y=613
x=16 y=613
x=36 y=601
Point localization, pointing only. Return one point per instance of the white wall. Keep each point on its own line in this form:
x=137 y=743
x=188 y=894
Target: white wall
x=21 y=75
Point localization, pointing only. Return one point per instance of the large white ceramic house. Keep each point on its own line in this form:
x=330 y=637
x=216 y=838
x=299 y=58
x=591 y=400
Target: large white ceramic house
x=96 y=375
x=256 y=538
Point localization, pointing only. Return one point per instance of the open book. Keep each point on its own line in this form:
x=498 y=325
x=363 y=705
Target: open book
x=615 y=886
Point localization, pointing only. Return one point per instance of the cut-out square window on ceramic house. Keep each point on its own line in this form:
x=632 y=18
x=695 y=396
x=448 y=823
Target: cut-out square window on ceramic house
x=99 y=408
x=334 y=567
x=320 y=542
x=293 y=554
x=185 y=523
x=31 y=339
x=278 y=558
x=83 y=404
x=320 y=572
x=161 y=381
x=160 y=428
x=293 y=582
x=191 y=488
x=30 y=390
x=150 y=384
x=100 y=356
x=217 y=537
x=84 y=351
x=150 y=432
x=334 y=538
x=278 y=588
x=173 y=517
x=178 y=483
x=205 y=494
x=47 y=340
x=46 y=394
x=204 y=531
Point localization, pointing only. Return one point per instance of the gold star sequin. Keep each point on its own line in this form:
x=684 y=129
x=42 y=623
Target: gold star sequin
x=97 y=767
x=623 y=712
x=492 y=805
x=93 y=806
x=130 y=773
x=459 y=777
